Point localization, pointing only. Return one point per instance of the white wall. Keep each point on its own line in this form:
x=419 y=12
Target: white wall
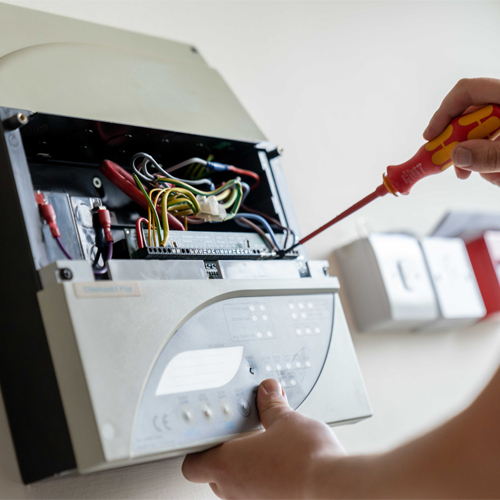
x=346 y=88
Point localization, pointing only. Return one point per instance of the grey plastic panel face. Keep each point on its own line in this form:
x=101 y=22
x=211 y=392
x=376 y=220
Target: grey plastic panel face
x=203 y=384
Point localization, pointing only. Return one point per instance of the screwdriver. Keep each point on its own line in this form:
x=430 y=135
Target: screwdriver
x=432 y=158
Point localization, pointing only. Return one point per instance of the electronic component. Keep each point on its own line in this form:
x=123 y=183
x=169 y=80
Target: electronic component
x=458 y=296
x=100 y=339
x=387 y=283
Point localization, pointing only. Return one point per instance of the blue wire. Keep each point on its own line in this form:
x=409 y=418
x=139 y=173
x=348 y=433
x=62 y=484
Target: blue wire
x=260 y=219
x=246 y=191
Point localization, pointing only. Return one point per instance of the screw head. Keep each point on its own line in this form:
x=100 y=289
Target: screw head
x=97 y=182
x=66 y=274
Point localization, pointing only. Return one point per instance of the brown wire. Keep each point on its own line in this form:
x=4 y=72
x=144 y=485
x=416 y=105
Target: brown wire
x=270 y=219
x=258 y=230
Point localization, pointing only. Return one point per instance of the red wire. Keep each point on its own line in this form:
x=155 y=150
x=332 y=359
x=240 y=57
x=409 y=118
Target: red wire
x=138 y=228
x=113 y=174
x=248 y=173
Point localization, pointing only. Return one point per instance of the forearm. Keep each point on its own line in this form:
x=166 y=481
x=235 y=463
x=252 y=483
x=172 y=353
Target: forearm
x=454 y=461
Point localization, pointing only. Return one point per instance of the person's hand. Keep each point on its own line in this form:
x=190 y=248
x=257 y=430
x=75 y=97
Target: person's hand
x=479 y=155
x=280 y=462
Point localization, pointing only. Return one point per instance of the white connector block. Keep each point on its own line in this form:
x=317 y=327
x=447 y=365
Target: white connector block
x=210 y=209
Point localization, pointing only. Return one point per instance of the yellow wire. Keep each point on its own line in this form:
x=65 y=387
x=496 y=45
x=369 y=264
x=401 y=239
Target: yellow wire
x=165 y=193
x=223 y=195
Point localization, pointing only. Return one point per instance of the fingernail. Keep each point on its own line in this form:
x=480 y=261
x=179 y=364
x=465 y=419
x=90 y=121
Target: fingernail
x=463 y=157
x=272 y=386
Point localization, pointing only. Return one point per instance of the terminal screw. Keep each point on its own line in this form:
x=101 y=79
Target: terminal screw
x=66 y=274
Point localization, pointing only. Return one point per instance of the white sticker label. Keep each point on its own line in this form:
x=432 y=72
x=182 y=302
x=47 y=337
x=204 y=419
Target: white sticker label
x=200 y=370
x=96 y=290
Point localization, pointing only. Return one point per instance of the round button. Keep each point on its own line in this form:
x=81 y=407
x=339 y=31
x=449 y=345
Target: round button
x=269 y=334
x=187 y=415
x=268 y=368
x=288 y=365
x=244 y=407
x=298 y=364
x=278 y=367
x=225 y=409
x=207 y=412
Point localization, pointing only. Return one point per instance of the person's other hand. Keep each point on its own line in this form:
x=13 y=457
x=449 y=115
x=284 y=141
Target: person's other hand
x=280 y=462
x=479 y=155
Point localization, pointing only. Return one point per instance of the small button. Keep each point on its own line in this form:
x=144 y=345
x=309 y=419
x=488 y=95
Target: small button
x=293 y=382
x=187 y=415
x=225 y=409
x=269 y=334
x=317 y=330
x=299 y=331
x=298 y=364
x=259 y=335
x=278 y=367
x=268 y=368
x=308 y=330
x=244 y=407
x=288 y=365
x=308 y=364
x=207 y=412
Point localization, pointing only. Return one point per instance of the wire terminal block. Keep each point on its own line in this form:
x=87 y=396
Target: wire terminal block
x=210 y=209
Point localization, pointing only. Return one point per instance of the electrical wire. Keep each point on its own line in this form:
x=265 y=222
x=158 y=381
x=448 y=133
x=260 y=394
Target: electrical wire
x=120 y=178
x=232 y=183
x=60 y=244
x=144 y=174
x=243 y=221
x=248 y=173
x=274 y=222
x=263 y=221
x=109 y=256
x=138 y=229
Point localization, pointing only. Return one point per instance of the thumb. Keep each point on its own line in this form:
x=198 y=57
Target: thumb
x=271 y=402
x=478 y=155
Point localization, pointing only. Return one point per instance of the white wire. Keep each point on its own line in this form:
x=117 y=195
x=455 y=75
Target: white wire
x=143 y=173
x=186 y=163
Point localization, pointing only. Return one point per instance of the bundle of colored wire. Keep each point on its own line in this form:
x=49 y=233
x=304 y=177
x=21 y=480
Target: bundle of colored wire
x=234 y=202
x=148 y=160
x=274 y=222
x=126 y=183
x=259 y=231
x=262 y=221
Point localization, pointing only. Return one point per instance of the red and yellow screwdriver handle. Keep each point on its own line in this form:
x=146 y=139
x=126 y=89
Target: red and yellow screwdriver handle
x=435 y=156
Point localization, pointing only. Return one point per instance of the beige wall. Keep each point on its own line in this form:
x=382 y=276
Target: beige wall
x=346 y=88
